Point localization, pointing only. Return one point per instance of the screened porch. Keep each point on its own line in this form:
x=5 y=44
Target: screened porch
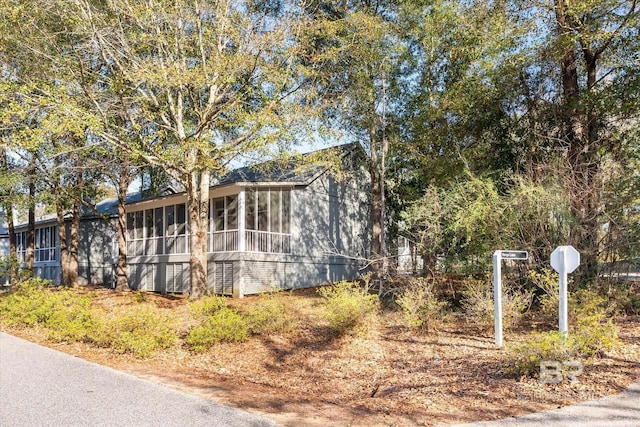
x=253 y=220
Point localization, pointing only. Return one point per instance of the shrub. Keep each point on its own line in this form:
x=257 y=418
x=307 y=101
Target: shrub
x=477 y=302
x=270 y=315
x=348 y=308
x=64 y=313
x=207 y=306
x=594 y=331
x=28 y=303
x=420 y=305
x=140 y=297
x=72 y=318
x=547 y=281
x=592 y=339
x=224 y=325
x=588 y=306
x=591 y=333
x=525 y=358
x=141 y=332
x=7 y=264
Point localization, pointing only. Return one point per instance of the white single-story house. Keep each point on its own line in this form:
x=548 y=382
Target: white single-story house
x=280 y=225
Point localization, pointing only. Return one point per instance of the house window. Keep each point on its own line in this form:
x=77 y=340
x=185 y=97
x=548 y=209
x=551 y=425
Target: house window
x=232 y=212
x=218 y=214
x=157 y=231
x=263 y=210
x=135 y=237
x=176 y=230
x=153 y=231
x=223 y=224
x=268 y=210
x=250 y=209
x=224 y=213
x=267 y=217
x=46 y=244
x=21 y=245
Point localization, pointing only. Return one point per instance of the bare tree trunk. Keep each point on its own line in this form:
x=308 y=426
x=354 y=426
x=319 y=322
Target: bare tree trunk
x=74 y=234
x=62 y=238
x=13 y=251
x=29 y=258
x=62 y=230
x=7 y=205
x=122 y=283
x=198 y=199
x=383 y=174
x=583 y=148
x=376 y=213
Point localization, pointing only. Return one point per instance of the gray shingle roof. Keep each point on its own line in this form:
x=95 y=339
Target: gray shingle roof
x=110 y=206
x=299 y=170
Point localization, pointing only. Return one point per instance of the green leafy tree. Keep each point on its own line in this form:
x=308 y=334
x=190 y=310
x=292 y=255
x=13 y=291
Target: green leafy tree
x=546 y=91
x=353 y=57
x=201 y=84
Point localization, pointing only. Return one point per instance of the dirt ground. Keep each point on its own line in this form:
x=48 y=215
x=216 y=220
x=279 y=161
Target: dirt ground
x=393 y=376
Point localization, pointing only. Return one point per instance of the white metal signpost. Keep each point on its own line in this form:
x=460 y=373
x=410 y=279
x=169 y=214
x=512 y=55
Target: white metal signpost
x=498 y=256
x=564 y=260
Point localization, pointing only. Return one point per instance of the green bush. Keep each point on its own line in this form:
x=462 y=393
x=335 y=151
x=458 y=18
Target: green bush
x=72 y=318
x=224 y=325
x=29 y=302
x=594 y=331
x=588 y=306
x=270 y=315
x=207 y=306
x=141 y=332
x=348 y=308
x=547 y=281
x=140 y=297
x=7 y=264
x=420 y=305
x=477 y=303
x=590 y=333
x=525 y=358
x=592 y=339
x=65 y=314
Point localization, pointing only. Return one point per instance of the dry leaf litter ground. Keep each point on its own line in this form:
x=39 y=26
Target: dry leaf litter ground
x=392 y=376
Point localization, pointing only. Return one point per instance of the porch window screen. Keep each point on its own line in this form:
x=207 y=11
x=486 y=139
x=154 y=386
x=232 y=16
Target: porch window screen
x=250 y=209
x=223 y=224
x=46 y=244
x=267 y=217
x=224 y=213
x=157 y=231
x=176 y=220
x=21 y=244
x=135 y=236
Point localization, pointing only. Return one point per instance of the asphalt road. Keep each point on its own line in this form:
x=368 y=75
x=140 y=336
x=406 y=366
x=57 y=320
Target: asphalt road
x=44 y=387
x=622 y=410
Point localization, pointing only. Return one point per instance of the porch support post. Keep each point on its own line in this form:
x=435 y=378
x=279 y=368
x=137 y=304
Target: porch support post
x=241 y=219
x=238 y=282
